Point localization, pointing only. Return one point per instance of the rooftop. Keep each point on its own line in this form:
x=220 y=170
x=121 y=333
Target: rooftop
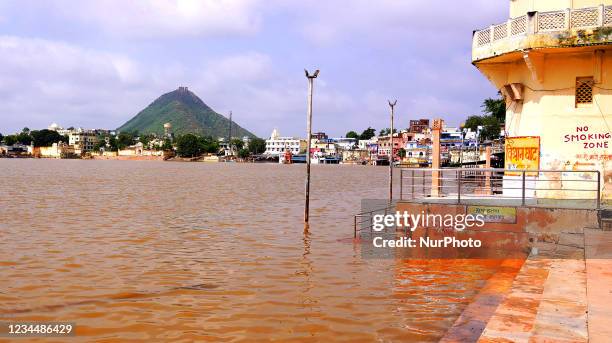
x=536 y=30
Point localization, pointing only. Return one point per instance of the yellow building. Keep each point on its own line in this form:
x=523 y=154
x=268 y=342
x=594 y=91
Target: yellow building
x=56 y=150
x=552 y=61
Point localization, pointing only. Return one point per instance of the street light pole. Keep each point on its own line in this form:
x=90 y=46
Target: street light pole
x=308 y=136
x=392 y=106
x=461 y=148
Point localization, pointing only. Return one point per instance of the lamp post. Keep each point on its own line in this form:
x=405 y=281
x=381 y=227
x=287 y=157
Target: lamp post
x=308 y=136
x=462 y=143
x=392 y=106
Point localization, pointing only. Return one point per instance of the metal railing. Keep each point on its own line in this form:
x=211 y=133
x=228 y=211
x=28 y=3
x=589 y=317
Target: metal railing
x=545 y=188
x=534 y=22
x=360 y=224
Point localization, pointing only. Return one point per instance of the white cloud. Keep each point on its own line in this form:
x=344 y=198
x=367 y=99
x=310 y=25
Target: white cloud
x=163 y=18
x=246 y=67
x=45 y=81
x=42 y=80
x=415 y=51
x=325 y=23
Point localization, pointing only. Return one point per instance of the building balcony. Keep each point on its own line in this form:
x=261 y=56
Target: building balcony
x=537 y=30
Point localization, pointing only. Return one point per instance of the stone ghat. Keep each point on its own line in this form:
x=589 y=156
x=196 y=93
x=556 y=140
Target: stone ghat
x=560 y=295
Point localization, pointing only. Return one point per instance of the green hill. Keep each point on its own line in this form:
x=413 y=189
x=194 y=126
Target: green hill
x=187 y=113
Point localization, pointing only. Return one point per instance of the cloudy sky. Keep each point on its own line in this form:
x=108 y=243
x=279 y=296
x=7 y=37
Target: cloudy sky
x=96 y=64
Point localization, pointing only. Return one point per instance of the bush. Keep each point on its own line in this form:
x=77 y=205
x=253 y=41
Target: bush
x=243 y=153
x=190 y=145
x=257 y=146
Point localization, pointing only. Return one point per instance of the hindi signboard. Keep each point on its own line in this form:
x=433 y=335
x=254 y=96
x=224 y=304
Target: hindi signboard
x=522 y=153
x=494 y=214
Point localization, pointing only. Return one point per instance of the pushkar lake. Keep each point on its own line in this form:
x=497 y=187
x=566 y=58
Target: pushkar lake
x=163 y=251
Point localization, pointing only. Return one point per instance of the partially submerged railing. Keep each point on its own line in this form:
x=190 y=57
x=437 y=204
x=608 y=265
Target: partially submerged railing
x=363 y=220
x=553 y=188
x=535 y=22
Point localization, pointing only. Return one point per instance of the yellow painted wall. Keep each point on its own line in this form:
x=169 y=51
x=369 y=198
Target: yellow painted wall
x=521 y=7
x=50 y=151
x=549 y=111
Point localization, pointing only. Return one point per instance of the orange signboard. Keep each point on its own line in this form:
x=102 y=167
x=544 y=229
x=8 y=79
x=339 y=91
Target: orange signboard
x=522 y=153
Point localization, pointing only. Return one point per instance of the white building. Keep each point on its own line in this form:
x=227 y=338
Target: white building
x=83 y=139
x=58 y=129
x=277 y=145
x=345 y=143
x=365 y=144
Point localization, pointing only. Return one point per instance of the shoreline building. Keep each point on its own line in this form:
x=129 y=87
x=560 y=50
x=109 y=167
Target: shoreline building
x=552 y=61
x=83 y=139
x=419 y=126
x=277 y=145
x=399 y=142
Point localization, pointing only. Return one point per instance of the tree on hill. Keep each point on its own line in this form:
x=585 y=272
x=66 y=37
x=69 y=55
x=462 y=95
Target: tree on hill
x=352 y=134
x=367 y=133
x=187 y=113
x=1 y=137
x=257 y=146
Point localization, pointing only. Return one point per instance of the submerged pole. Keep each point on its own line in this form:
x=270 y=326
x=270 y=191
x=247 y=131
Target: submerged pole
x=392 y=105
x=229 y=135
x=308 y=136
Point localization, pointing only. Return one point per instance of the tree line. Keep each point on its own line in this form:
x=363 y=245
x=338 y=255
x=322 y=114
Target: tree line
x=43 y=137
x=191 y=145
x=188 y=145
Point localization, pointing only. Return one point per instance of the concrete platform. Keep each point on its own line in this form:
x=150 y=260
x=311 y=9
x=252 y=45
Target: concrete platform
x=563 y=294
x=599 y=284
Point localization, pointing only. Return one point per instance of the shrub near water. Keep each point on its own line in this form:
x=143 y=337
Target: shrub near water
x=190 y=145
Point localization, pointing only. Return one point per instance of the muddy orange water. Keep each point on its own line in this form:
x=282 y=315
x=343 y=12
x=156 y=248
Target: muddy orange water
x=162 y=251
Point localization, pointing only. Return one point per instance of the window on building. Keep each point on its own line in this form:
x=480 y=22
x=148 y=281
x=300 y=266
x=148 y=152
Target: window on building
x=584 y=91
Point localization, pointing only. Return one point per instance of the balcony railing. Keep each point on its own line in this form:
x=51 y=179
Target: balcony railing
x=543 y=22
